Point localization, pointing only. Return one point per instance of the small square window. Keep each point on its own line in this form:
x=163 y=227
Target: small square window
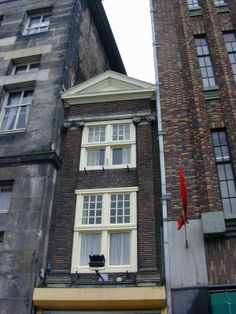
x=37 y=24
x=26 y=68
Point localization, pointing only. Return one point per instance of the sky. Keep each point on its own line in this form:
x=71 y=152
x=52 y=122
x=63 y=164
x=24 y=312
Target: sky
x=130 y=21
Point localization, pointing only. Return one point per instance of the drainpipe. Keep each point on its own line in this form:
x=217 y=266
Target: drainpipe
x=165 y=195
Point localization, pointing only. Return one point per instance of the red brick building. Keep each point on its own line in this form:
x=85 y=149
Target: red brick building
x=107 y=202
x=195 y=45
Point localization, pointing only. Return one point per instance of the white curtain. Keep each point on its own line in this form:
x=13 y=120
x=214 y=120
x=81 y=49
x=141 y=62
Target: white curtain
x=9 y=118
x=90 y=245
x=95 y=157
x=120 y=248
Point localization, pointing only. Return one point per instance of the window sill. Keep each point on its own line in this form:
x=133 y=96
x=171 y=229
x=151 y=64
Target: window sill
x=221 y=8
x=211 y=93
x=104 y=168
x=106 y=269
x=12 y=131
x=195 y=12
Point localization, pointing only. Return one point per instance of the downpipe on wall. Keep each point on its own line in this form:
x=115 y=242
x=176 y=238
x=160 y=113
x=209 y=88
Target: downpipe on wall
x=165 y=195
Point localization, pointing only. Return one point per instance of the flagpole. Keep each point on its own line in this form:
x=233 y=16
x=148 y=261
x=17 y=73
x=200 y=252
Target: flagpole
x=186 y=238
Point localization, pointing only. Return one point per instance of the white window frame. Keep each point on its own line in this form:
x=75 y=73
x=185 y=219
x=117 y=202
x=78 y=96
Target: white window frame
x=108 y=145
x=40 y=26
x=105 y=228
x=27 y=68
x=2 y=187
x=19 y=105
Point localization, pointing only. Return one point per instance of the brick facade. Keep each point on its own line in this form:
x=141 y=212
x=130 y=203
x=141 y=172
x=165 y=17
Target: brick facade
x=189 y=114
x=145 y=176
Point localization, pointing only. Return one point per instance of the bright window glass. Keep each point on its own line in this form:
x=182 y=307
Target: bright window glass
x=16 y=109
x=225 y=171
x=205 y=62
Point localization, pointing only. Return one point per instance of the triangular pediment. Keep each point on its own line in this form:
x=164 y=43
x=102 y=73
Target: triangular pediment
x=108 y=86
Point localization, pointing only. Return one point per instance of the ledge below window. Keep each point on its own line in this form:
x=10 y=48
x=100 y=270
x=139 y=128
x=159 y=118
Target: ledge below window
x=211 y=92
x=195 y=11
x=221 y=8
x=7 y=132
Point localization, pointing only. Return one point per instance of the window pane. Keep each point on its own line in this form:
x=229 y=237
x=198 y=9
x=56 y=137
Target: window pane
x=90 y=245
x=96 y=157
x=21 y=69
x=5 y=197
x=230 y=42
x=9 y=119
x=23 y=117
x=34 y=22
x=96 y=134
x=205 y=62
x=34 y=67
x=14 y=99
x=27 y=97
x=120 y=208
x=119 y=249
x=120 y=156
x=92 y=213
x=121 y=132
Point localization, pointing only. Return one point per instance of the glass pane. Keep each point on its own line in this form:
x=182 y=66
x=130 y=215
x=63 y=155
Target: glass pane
x=231 y=187
x=119 y=249
x=226 y=205
x=23 y=117
x=34 y=67
x=120 y=156
x=34 y=21
x=90 y=245
x=27 y=97
x=46 y=18
x=21 y=69
x=96 y=157
x=5 y=197
x=224 y=190
x=14 y=99
x=233 y=205
x=221 y=172
x=9 y=119
x=229 y=172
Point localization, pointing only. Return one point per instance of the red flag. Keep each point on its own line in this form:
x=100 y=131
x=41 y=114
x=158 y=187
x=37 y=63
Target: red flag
x=183 y=217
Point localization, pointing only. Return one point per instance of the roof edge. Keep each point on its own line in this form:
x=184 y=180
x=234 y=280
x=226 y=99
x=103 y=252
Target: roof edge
x=105 y=32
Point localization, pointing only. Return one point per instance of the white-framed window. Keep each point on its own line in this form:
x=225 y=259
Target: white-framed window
x=219 y=2
x=37 y=23
x=106 y=223
x=193 y=4
x=108 y=144
x=25 y=68
x=15 y=111
x=5 y=197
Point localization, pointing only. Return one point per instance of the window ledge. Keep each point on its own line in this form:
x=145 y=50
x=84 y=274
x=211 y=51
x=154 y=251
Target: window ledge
x=220 y=8
x=195 y=11
x=104 y=168
x=12 y=131
x=211 y=93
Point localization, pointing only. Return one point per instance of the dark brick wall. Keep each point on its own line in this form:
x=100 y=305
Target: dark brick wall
x=145 y=176
x=188 y=117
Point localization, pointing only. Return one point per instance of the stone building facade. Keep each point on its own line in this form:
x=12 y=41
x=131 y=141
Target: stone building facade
x=45 y=47
x=107 y=202
x=195 y=47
